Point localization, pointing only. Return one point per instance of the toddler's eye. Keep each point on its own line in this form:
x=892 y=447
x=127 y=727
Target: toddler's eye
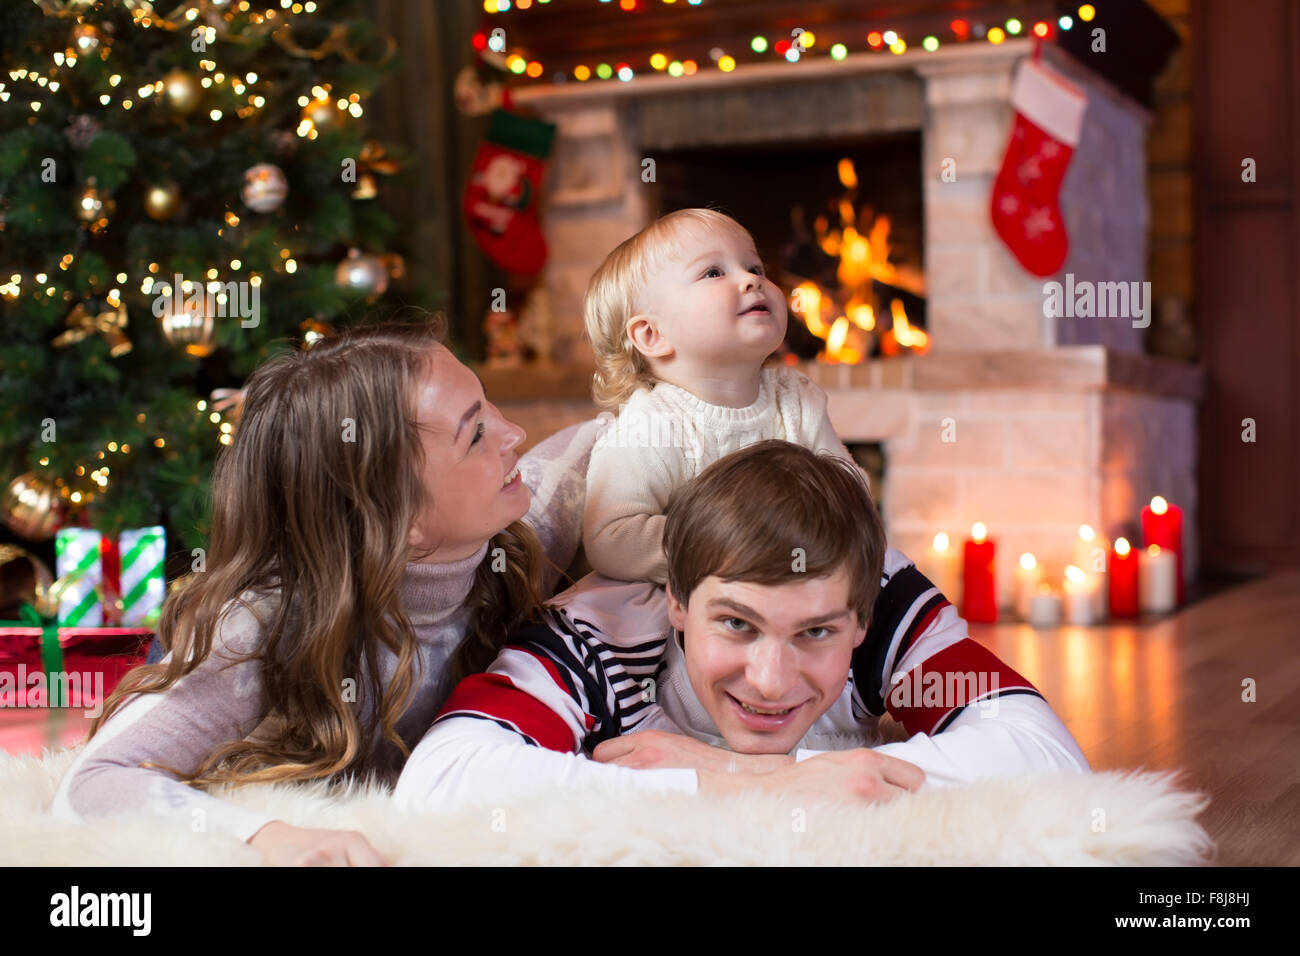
x=757 y=270
x=711 y=269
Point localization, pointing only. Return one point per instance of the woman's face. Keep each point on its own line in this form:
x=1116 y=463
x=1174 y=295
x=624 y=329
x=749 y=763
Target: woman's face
x=473 y=486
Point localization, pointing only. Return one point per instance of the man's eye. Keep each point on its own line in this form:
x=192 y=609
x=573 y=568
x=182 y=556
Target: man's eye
x=478 y=433
x=726 y=622
x=826 y=632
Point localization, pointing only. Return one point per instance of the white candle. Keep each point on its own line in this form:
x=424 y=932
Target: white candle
x=1045 y=607
x=1080 y=597
x=1091 y=554
x=1028 y=576
x=1157 y=580
x=942 y=568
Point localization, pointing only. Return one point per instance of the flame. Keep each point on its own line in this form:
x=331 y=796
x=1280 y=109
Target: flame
x=903 y=335
x=862 y=315
x=848 y=175
x=807 y=303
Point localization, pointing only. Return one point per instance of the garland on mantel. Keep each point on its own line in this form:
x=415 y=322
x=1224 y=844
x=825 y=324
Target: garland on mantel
x=800 y=45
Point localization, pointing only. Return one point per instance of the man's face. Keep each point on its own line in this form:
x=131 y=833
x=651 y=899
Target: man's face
x=766 y=660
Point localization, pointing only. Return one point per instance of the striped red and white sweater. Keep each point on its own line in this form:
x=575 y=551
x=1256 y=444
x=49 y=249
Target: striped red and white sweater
x=605 y=661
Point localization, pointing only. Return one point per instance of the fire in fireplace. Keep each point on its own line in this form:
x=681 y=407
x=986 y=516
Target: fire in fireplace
x=840 y=226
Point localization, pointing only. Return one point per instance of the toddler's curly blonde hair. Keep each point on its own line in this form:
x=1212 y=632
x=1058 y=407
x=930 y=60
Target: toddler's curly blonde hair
x=616 y=292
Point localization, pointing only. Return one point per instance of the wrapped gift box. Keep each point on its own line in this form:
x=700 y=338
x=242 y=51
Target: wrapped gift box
x=88 y=663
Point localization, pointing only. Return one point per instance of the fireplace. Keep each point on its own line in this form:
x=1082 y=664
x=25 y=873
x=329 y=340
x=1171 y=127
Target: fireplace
x=1030 y=422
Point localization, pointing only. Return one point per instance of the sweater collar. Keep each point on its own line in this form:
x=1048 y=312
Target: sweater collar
x=699 y=410
x=431 y=592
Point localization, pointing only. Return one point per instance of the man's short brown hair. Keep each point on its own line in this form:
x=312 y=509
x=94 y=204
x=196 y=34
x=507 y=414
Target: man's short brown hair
x=775 y=512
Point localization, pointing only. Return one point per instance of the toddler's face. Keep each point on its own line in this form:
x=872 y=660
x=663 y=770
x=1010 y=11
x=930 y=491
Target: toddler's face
x=713 y=303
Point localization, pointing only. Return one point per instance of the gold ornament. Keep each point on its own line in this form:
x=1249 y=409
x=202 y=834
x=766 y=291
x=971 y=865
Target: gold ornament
x=189 y=328
x=265 y=187
x=111 y=325
x=313 y=331
x=323 y=113
x=161 y=200
x=362 y=273
x=31 y=507
x=94 y=208
x=371 y=161
x=41 y=576
x=182 y=92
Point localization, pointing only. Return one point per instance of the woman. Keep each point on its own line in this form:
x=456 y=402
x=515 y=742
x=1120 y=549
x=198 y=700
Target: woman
x=372 y=543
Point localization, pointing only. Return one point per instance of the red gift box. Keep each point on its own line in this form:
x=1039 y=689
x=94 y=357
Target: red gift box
x=89 y=663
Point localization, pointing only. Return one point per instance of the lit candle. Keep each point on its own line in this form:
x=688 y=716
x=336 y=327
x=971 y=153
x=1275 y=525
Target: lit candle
x=1162 y=525
x=1123 y=580
x=1080 y=597
x=979 y=588
x=1045 y=607
x=941 y=567
x=1090 y=552
x=1157 y=584
x=1028 y=576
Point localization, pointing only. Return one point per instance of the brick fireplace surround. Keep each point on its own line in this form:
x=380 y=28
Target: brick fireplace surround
x=1058 y=421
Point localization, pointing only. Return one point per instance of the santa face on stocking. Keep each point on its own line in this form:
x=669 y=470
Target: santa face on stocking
x=507 y=190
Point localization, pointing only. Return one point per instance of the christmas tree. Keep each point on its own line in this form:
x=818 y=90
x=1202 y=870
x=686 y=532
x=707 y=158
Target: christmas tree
x=185 y=190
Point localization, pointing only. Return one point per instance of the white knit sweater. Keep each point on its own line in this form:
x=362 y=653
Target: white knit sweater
x=664 y=437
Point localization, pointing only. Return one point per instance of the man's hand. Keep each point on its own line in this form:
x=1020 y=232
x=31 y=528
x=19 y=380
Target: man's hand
x=286 y=845
x=859 y=776
x=659 y=749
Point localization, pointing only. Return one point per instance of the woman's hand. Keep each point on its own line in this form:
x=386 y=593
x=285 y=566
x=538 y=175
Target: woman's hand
x=286 y=845
x=659 y=749
x=860 y=776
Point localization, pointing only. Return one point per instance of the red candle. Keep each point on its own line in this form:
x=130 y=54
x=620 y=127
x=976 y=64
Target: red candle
x=1123 y=576
x=1162 y=525
x=979 y=591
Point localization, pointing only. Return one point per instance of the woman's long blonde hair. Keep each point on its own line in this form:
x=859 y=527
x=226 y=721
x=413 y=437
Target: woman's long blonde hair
x=319 y=516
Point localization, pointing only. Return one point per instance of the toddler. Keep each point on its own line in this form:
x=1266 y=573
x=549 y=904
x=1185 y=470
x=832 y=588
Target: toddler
x=682 y=318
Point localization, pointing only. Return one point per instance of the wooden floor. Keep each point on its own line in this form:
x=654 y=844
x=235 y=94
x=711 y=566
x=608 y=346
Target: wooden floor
x=1168 y=696
x=1165 y=695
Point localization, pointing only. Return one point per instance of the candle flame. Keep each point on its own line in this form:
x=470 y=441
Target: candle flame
x=1028 y=561
x=1074 y=574
x=1159 y=505
x=941 y=542
x=1153 y=550
x=1122 y=547
x=1086 y=532
x=978 y=532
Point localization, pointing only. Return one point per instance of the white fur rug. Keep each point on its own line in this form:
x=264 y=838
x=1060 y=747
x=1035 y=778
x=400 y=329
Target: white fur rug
x=1103 y=819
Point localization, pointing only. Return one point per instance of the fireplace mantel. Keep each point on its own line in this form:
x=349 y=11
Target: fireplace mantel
x=1076 y=368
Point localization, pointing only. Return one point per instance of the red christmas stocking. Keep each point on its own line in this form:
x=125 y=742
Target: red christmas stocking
x=1026 y=211
x=501 y=199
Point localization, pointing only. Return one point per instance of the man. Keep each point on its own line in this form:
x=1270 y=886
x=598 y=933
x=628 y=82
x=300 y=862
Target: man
x=787 y=629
